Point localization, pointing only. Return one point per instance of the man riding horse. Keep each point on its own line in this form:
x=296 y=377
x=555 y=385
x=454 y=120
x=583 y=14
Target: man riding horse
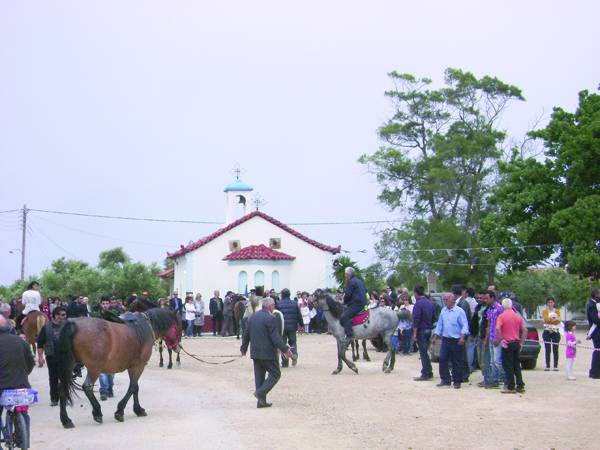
x=355 y=299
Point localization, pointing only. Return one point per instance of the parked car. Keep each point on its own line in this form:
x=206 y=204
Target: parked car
x=529 y=352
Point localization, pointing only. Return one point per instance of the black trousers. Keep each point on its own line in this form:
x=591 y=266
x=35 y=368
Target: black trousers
x=261 y=368
x=595 y=369
x=512 y=365
x=53 y=376
x=451 y=352
x=548 y=337
x=347 y=316
x=217 y=324
x=289 y=337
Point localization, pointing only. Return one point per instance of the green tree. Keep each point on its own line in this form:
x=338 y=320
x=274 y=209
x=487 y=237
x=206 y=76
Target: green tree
x=375 y=277
x=339 y=266
x=554 y=201
x=533 y=287
x=436 y=166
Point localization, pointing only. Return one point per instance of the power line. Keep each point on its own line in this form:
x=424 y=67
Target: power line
x=9 y=211
x=39 y=231
x=204 y=222
x=106 y=236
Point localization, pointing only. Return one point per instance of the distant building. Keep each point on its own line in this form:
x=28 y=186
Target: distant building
x=254 y=249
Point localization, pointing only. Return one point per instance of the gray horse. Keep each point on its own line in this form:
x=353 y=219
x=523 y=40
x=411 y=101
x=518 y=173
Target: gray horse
x=382 y=322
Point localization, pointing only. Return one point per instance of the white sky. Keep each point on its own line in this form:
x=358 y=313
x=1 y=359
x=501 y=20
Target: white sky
x=142 y=108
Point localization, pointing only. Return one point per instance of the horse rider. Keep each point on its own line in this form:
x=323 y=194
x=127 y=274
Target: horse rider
x=355 y=298
x=31 y=299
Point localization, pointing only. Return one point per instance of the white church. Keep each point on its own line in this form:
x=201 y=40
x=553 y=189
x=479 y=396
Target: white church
x=251 y=249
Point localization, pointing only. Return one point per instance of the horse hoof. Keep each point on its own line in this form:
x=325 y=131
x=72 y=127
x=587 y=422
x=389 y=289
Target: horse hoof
x=335 y=372
x=169 y=366
x=355 y=370
x=160 y=364
x=141 y=412
x=98 y=419
x=387 y=370
x=119 y=417
x=69 y=424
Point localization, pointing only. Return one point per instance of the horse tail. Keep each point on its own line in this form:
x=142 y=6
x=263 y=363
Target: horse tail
x=65 y=357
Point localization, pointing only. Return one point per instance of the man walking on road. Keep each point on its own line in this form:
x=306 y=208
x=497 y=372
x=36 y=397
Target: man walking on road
x=423 y=315
x=453 y=328
x=291 y=319
x=46 y=343
x=263 y=335
x=510 y=336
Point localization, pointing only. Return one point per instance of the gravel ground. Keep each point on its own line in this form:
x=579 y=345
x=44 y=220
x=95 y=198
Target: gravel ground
x=207 y=406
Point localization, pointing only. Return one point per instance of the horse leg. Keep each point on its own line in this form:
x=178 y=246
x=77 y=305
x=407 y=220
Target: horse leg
x=354 y=355
x=64 y=417
x=160 y=349
x=134 y=375
x=177 y=360
x=339 y=366
x=170 y=352
x=365 y=354
x=88 y=388
x=390 y=359
x=350 y=364
x=123 y=403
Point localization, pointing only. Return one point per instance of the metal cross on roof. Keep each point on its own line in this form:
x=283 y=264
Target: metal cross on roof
x=258 y=201
x=237 y=171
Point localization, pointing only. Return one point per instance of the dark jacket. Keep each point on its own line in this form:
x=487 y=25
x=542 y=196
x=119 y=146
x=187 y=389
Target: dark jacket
x=291 y=314
x=464 y=304
x=592 y=317
x=16 y=362
x=176 y=304
x=48 y=338
x=262 y=333
x=216 y=307
x=423 y=313
x=76 y=309
x=355 y=293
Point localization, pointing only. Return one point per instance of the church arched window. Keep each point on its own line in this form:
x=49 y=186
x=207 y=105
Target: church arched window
x=243 y=283
x=259 y=278
x=275 y=280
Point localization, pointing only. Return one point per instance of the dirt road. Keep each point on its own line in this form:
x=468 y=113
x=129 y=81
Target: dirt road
x=203 y=406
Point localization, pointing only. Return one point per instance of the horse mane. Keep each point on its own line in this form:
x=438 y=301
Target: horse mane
x=162 y=320
x=335 y=308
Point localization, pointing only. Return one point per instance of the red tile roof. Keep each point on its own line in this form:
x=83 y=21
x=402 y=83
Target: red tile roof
x=166 y=273
x=258 y=252
x=194 y=245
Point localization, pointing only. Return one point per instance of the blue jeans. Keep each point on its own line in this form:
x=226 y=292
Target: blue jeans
x=423 y=340
x=497 y=372
x=405 y=341
x=106 y=383
x=189 y=330
x=471 y=345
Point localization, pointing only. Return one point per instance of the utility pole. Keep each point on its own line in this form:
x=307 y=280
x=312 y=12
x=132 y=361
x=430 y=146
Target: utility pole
x=23 y=241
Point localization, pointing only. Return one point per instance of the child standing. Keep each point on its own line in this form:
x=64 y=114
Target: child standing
x=571 y=348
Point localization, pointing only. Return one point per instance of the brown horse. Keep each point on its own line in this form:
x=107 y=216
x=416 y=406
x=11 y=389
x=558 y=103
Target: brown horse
x=32 y=325
x=109 y=347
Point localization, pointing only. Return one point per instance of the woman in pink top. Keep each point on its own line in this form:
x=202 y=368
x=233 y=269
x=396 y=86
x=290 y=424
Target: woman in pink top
x=571 y=348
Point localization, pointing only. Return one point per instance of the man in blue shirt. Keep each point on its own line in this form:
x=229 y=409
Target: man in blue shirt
x=452 y=327
x=423 y=318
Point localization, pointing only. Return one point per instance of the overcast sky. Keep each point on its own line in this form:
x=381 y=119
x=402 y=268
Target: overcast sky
x=143 y=108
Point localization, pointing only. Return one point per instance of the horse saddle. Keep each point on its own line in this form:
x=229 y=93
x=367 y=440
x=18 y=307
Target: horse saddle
x=360 y=318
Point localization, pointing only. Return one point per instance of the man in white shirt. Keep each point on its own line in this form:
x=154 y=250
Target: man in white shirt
x=31 y=298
